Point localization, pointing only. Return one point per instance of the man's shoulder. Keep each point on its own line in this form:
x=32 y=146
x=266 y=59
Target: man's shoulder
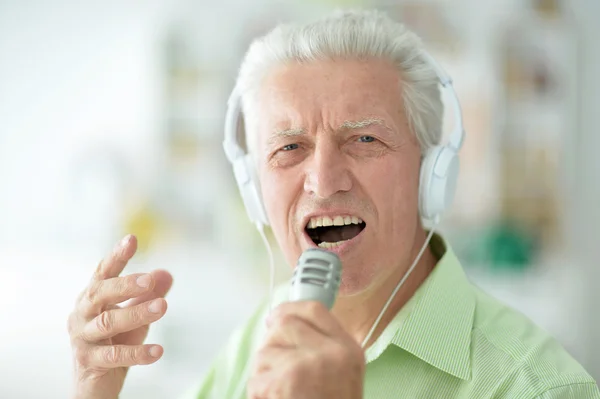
x=231 y=364
x=507 y=345
x=254 y=327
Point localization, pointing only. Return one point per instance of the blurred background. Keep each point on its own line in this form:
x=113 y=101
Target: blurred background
x=111 y=119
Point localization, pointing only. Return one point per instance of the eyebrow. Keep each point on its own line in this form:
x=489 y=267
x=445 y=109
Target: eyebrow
x=285 y=133
x=348 y=125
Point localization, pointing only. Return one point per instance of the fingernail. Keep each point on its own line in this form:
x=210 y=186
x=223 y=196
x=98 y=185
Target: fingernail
x=154 y=351
x=125 y=241
x=143 y=280
x=154 y=306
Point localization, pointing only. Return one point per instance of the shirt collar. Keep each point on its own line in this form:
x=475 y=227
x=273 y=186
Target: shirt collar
x=435 y=325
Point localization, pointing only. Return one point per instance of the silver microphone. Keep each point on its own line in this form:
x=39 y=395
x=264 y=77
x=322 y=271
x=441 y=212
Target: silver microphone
x=316 y=277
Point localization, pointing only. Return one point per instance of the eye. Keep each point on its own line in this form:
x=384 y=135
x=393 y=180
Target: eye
x=366 y=139
x=289 y=147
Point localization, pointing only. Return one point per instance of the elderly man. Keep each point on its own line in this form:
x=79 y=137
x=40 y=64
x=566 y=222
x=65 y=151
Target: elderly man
x=342 y=119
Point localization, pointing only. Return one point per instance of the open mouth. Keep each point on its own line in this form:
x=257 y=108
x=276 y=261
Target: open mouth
x=329 y=232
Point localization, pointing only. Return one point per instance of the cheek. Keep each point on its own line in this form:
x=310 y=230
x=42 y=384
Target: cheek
x=393 y=186
x=406 y=192
x=276 y=199
x=279 y=195
x=395 y=196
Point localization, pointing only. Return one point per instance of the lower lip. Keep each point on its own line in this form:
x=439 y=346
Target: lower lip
x=341 y=249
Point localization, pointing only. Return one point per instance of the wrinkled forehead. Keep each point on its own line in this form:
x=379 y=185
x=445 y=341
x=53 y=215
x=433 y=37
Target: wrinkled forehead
x=333 y=94
x=295 y=97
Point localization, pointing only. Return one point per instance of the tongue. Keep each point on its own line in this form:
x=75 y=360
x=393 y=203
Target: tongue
x=339 y=233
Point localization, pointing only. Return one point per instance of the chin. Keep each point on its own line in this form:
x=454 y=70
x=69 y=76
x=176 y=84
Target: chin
x=353 y=284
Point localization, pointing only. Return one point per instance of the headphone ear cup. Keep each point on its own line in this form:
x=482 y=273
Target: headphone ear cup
x=438 y=178
x=247 y=180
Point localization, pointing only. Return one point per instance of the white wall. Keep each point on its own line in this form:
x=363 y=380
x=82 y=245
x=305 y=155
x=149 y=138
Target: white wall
x=72 y=76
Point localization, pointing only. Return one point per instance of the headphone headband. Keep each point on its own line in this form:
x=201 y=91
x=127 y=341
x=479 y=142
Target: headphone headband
x=458 y=134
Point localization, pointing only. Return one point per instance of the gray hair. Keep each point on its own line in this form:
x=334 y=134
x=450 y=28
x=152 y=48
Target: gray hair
x=351 y=34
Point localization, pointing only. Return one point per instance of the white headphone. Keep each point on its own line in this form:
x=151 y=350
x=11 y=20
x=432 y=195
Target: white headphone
x=438 y=175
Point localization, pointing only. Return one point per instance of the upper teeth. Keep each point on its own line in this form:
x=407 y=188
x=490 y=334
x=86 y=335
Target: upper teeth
x=320 y=221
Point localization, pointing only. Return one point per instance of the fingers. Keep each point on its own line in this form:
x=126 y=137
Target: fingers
x=311 y=312
x=270 y=358
x=262 y=386
x=108 y=357
x=105 y=335
x=102 y=293
x=113 y=265
x=290 y=331
x=162 y=284
x=120 y=320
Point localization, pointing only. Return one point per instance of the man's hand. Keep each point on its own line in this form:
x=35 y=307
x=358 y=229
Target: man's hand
x=106 y=338
x=307 y=355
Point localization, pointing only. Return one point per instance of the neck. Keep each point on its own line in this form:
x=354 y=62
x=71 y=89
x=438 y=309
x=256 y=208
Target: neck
x=357 y=313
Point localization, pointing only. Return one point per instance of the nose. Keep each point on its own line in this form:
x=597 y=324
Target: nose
x=327 y=171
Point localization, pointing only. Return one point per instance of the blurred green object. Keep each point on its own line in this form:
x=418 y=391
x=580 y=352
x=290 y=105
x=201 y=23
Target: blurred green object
x=503 y=246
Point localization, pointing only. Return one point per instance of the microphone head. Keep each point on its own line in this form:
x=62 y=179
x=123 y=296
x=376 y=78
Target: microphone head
x=316 y=277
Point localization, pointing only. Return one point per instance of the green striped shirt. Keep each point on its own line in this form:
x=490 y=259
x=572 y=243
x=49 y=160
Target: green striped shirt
x=450 y=340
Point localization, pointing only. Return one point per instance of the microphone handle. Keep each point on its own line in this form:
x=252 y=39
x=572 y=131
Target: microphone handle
x=316 y=277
